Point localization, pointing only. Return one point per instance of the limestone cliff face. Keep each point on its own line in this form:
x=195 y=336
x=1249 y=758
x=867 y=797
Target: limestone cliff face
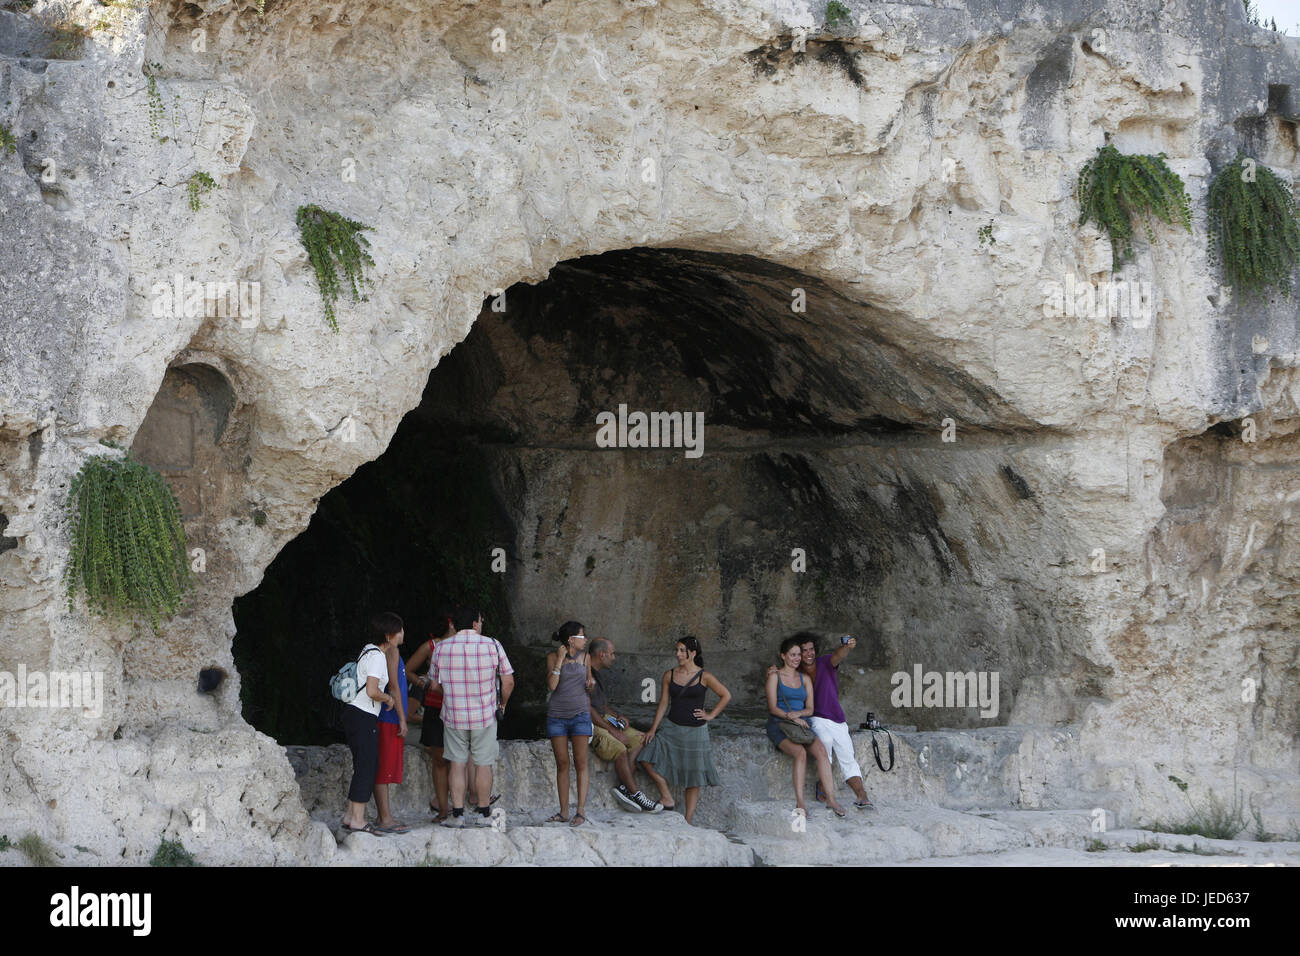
x=485 y=143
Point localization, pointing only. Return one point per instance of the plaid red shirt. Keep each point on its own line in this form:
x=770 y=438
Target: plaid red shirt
x=466 y=665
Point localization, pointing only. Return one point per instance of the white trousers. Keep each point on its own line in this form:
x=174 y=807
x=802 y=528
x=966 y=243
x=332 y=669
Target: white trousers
x=835 y=738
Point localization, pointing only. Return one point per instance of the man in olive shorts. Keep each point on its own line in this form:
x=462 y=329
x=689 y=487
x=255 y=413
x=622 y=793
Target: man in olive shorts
x=613 y=738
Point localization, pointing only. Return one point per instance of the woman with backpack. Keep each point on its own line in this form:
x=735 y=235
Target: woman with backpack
x=678 y=751
x=361 y=717
x=789 y=705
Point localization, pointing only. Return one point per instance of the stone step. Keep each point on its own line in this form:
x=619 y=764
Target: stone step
x=890 y=833
x=1000 y=768
x=609 y=838
x=1145 y=840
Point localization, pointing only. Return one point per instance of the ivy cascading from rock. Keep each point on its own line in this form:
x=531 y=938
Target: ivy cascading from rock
x=1254 y=234
x=329 y=237
x=1114 y=187
x=128 y=547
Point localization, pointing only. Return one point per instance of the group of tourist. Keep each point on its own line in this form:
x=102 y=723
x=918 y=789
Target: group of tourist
x=469 y=681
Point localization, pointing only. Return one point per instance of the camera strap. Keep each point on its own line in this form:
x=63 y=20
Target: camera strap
x=875 y=748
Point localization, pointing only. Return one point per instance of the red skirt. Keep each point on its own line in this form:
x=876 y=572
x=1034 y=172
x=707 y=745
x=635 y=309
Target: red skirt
x=391 y=752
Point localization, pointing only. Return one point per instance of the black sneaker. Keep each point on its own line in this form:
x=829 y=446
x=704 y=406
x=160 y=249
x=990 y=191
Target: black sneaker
x=626 y=799
x=646 y=804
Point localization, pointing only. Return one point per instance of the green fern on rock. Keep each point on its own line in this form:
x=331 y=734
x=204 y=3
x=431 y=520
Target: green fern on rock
x=198 y=185
x=1114 y=187
x=331 y=238
x=128 y=549
x=1254 y=235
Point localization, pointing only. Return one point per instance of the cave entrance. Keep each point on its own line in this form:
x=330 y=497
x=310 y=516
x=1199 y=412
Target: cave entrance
x=822 y=497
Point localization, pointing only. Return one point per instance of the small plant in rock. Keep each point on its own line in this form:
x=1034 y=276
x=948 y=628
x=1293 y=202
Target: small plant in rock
x=1114 y=187
x=985 y=234
x=128 y=549
x=4 y=843
x=1096 y=846
x=198 y=185
x=261 y=7
x=1254 y=228
x=157 y=112
x=8 y=143
x=67 y=40
x=1217 y=820
x=172 y=853
x=837 y=14
x=1143 y=847
x=330 y=239
x=37 y=851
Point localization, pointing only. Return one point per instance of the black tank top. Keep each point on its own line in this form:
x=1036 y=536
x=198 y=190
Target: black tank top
x=684 y=699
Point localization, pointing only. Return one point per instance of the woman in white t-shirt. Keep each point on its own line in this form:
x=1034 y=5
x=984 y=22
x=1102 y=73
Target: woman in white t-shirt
x=361 y=718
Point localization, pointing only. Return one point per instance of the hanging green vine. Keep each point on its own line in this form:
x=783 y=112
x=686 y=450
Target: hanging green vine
x=199 y=184
x=1253 y=228
x=128 y=550
x=1114 y=187
x=8 y=144
x=328 y=238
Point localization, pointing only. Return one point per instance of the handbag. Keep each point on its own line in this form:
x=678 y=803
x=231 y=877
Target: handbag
x=795 y=733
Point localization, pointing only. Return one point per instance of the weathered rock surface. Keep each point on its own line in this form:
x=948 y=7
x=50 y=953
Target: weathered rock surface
x=864 y=167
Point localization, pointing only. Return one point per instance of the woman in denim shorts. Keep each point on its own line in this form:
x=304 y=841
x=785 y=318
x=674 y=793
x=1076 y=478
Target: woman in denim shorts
x=568 y=715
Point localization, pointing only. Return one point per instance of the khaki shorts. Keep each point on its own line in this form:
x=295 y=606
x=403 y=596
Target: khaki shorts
x=460 y=745
x=608 y=747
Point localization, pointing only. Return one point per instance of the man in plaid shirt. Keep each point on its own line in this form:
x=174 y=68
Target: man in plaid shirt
x=466 y=665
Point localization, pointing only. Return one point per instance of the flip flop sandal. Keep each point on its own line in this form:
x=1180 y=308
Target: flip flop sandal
x=839 y=811
x=395 y=828
x=864 y=804
x=368 y=828
x=557 y=818
x=578 y=820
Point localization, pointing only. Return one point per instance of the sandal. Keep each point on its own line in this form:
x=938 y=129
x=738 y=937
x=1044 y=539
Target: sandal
x=368 y=828
x=557 y=818
x=578 y=819
x=839 y=812
x=821 y=794
x=395 y=828
x=494 y=798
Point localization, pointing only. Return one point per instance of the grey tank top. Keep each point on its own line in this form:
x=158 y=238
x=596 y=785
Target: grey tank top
x=569 y=699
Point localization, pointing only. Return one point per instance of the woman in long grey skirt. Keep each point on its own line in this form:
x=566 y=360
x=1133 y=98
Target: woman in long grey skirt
x=678 y=752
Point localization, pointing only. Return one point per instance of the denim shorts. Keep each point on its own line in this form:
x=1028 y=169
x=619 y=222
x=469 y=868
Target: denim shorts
x=579 y=726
